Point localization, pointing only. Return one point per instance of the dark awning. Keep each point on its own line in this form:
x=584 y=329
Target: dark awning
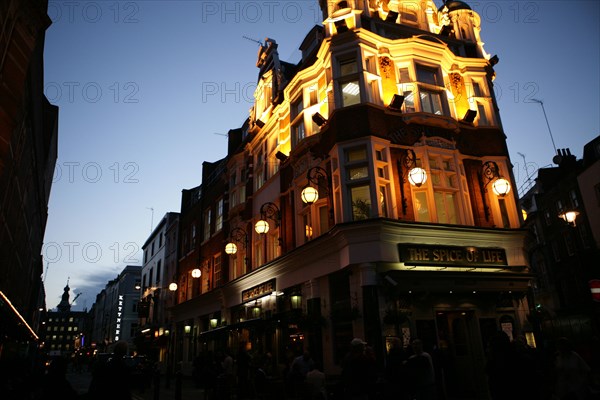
x=14 y=326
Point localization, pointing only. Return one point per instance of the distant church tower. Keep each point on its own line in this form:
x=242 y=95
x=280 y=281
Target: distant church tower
x=64 y=305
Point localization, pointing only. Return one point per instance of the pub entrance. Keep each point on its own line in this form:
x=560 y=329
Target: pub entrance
x=460 y=359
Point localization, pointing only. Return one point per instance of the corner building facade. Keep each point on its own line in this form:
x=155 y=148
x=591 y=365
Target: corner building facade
x=386 y=93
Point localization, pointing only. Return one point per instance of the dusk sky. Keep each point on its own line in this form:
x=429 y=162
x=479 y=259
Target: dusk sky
x=148 y=89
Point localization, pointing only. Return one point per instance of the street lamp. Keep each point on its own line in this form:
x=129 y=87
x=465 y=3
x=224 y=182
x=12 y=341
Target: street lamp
x=415 y=175
x=315 y=176
x=237 y=235
x=569 y=217
x=267 y=211
x=490 y=173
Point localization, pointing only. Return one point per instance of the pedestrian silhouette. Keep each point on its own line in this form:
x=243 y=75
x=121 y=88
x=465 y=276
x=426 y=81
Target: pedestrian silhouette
x=55 y=384
x=499 y=366
x=572 y=372
x=359 y=372
x=112 y=380
x=420 y=372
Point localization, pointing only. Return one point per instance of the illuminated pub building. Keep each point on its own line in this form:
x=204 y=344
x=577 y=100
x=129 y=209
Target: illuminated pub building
x=368 y=194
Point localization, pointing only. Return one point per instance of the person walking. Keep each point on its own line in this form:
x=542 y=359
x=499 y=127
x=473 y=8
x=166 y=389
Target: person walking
x=359 y=373
x=113 y=379
x=572 y=372
x=421 y=373
x=55 y=384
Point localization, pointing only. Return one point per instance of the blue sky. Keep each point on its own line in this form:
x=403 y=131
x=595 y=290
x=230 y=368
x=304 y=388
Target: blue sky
x=147 y=89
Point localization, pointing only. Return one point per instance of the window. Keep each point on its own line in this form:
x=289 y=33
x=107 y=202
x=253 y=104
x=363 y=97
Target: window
x=350 y=93
x=428 y=75
x=431 y=89
x=404 y=75
x=259 y=170
x=207 y=222
x=357 y=179
x=298 y=132
x=296 y=108
x=158 y=268
x=431 y=102
x=349 y=83
x=481 y=115
x=356 y=154
x=574 y=198
x=219 y=219
x=361 y=202
x=383 y=201
x=445 y=204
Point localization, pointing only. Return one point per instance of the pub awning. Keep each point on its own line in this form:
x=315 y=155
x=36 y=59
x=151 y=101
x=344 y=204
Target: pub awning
x=14 y=326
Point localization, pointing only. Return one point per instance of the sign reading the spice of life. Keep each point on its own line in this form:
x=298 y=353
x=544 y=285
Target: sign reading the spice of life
x=421 y=254
x=257 y=291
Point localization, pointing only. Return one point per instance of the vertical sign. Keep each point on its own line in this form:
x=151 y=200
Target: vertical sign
x=119 y=313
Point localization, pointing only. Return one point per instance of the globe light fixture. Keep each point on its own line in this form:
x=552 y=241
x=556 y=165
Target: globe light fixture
x=317 y=177
x=417 y=176
x=172 y=286
x=231 y=248
x=196 y=273
x=490 y=173
x=501 y=187
x=261 y=227
x=267 y=211
x=569 y=217
x=309 y=195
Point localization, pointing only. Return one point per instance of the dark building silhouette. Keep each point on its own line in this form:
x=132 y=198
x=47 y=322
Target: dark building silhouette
x=28 y=152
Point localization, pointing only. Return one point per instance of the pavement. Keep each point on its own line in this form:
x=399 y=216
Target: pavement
x=175 y=389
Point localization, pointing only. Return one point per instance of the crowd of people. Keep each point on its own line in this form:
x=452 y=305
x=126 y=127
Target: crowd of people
x=514 y=370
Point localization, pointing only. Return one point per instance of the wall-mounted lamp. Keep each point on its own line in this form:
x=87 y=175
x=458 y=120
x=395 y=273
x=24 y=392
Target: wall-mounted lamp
x=196 y=273
x=392 y=16
x=491 y=173
x=470 y=116
x=341 y=26
x=319 y=119
x=214 y=322
x=315 y=176
x=267 y=211
x=500 y=185
x=416 y=176
x=236 y=235
x=396 y=103
x=569 y=217
x=187 y=329
x=446 y=30
x=172 y=286
x=280 y=156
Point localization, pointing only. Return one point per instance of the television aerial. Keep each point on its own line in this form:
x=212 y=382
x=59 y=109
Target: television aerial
x=253 y=40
